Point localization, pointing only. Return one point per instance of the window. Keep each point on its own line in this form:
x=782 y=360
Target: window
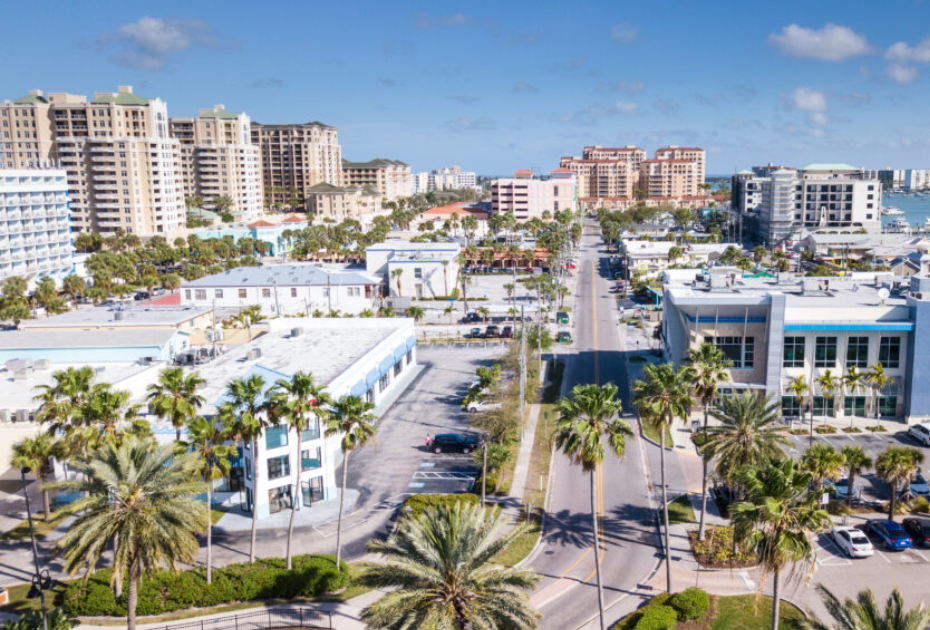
x=418 y=273
x=312 y=490
x=312 y=432
x=887 y=405
x=889 y=352
x=857 y=352
x=248 y=468
x=266 y=293
x=854 y=405
x=794 y=352
x=218 y=293
x=825 y=352
x=293 y=291
x=398 y=367
x=311 y=459
x=383 y=382
x=279 y=499
x=278 y=467
x=790 y=406
x=275 y=437
x=243 y=293
x=741 y=351
x=823 y=406
x=187 y=294
x=200 y=294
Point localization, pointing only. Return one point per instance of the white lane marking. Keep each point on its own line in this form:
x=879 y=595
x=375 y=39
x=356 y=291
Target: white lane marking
x=919 y=554
x=750 y=584
x=883 y=556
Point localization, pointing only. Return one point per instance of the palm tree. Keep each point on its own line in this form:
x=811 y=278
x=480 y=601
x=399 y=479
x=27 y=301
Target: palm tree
x=445 y=276
x=440 y=574
x=799 y=389
x=106 y=408
x=174 y=397
x=748 y=434
x=416 y=312
x=864 y=613
x=856 y=462
x=896 y=465
x=585 y=419
x=782 y=514
x=244 y=412
x=829 y=384
x=854 y=381
x=62 y=402
x=710 y=366
x=663 y=395
x=297 y=401
x=449 y=310
x=36 y=453
x=139 y=498
x=351 y=418
x=877 y=380
x=396 y=274
x=484 y=312
x=207 y=438
x=823 y=462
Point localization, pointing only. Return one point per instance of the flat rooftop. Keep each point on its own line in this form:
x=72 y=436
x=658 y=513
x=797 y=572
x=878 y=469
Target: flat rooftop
x=281 y=275
x=114 y=317
x=399 y=246
x=99 y=338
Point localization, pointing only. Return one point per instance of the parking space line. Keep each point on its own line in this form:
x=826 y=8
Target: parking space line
x=414 y=484
x=919 y=554
x=883 y=556
x=427 y=464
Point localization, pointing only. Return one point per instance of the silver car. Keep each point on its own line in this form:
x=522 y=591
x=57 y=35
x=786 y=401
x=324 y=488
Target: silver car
x=852 y=542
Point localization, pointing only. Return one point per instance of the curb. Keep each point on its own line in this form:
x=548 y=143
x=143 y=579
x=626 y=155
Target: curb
x=642 y=434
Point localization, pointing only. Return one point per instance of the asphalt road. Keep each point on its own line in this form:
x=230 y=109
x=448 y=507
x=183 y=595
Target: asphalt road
x=567 y=596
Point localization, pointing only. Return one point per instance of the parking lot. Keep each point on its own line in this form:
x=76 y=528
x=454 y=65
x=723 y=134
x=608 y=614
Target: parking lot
x=830 y=557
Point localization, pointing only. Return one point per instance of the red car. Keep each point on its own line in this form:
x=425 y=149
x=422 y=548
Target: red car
x=507 y=332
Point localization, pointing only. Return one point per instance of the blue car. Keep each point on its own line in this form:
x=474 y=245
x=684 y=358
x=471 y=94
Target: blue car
x=892 y=535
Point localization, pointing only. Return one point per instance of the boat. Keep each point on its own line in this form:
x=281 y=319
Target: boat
x=892 y=211
x=898 y=226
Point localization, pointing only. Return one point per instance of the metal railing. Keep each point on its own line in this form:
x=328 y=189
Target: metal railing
x=262 y=620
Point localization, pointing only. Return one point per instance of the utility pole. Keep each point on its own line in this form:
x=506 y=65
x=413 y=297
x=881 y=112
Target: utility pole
x=214 y=327
x=38 y=582
x=522 y=373
x=329 y=291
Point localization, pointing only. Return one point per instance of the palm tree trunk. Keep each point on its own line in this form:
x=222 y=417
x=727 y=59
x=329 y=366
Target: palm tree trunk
x=209 y=534
x=597 y=550
x=132 y=597
x=294 y=499
x=776 y=601
x=46 y=500
x=177 y=433
x=891 y=502
x=703 y=482
x=668 y=548
x=849 y=488
x=342 y=501
x=254 y=500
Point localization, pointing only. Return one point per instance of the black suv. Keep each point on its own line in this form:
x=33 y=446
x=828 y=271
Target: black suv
x=471 y=318
x=454 y=443
x=919 y=531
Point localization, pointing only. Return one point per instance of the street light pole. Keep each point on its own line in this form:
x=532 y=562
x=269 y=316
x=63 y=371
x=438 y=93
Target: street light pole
x=37 y=580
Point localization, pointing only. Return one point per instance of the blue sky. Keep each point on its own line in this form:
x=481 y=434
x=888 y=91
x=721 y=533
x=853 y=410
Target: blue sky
x=496 y=86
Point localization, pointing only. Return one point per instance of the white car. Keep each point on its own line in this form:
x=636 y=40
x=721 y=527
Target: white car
x=482 y=405
x=919 y=486
x=921 y=433
x=852 y=542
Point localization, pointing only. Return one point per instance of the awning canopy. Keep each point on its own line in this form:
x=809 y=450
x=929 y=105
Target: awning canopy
x=386 y=364
x=400 y=351
x=411 y=341
x=359 y=389
x=372 y=377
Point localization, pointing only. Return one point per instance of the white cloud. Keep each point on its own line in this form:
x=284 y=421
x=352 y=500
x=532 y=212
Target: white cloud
x=624 y=33
x=149 y=43
x=899 y=73
x=819 y=118
x=471 y=124
x=809 y=100
x=626 y=107
x=903 y=52
x=830 y=43
x=817 y=133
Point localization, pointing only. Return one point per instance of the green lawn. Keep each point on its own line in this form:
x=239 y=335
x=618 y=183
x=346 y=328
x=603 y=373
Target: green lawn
x=734 y=612
x=680 y=511
x=653 y=434
x=523 y=545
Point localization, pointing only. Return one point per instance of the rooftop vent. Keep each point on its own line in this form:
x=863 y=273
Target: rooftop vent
x=253 y=354
x=296 y=332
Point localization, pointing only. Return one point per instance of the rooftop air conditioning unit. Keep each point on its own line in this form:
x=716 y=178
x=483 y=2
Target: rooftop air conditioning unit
x=4 y=415
x=254 y=353
x=296 y=332
x=42 y=364
x=118 y=316
x=22 y=415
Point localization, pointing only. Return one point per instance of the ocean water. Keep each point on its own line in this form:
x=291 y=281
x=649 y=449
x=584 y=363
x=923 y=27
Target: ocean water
x=916 y=208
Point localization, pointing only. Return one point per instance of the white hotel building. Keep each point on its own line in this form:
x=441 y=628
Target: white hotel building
x=35 y=228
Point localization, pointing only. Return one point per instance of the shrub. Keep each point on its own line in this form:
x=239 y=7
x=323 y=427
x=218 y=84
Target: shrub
x=920 y=505
x=691 y=603
x=164 y=591
x=838 y=508
x=419 y=502
x=658 y=618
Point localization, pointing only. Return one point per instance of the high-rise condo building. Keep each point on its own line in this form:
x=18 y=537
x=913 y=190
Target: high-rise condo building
x=692 y=154
x=391 y=178
x=219 y=160
x=607 y=173
x=295 y=158
x=121 y=162
x=528 y=197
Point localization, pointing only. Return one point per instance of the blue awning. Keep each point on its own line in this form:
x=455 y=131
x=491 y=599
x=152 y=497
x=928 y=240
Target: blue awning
x=359 y=389
x=372 y=377
x=400 y=351
x=411 y=341
x=386 y=364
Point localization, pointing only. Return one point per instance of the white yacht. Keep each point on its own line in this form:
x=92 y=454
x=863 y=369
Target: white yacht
x=898 y=226
x=892 y=211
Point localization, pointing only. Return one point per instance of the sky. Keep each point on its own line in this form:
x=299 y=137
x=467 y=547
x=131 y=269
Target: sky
x=497 y=86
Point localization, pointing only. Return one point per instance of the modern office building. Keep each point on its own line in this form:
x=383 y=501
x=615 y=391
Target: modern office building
x=35 y=231
x=298 y=289
x=414 y=270
x=294 y=158
x=917 y=179
x=325 y=201
x=776 y=330
x=390 y=178
x=218 y=159
x=528 y=197
x=452 y=178
x=122 y=164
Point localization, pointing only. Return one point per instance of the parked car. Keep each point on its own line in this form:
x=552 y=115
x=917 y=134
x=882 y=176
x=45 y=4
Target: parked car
x=482 y=405
x=471 y=318
x=852 y=542
x=919 y=486
x=475 y=334
x=492 y=332
x=918 y=529
x=507 y=332
x=891 y=534
x=564 y=337
x=841 y=488
x=454 y=443
x=920 y=432
x=562 y=317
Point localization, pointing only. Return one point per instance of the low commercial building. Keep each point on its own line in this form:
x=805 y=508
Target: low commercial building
x=369 y=358
x=776 y=330
x=649 y=258
x=528 y=197
x=100 y=346
x=284 y=290
x=456 y=214
x=414 y=270
x=142 y=317
x=271 y=234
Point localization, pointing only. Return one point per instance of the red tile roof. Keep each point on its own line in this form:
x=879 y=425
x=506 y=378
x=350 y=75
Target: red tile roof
x=260 y=223
x=457 y=209
x=560 y=170
x=295 y=219
x=679 y=149
x=172 y=299
x=523 y=171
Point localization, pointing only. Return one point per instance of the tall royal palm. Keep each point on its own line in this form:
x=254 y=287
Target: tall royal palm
x=896 y=465
x=748 y=434
x=864 y=613
x=244 y=411
x=710 y=366
x=823 y=462
x=781 y=514
x=36 y=453
x=663 y=396
x=298 y=402
x=351 y=418
x=442 y=575
x=587 y=419
x=174 y=397
x=208 y=439
x=856 y=461
x=140 y=498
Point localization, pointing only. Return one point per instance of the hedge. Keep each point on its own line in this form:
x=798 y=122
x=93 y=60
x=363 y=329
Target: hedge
x=419 y=502
x=165 y=591
x=658 y=618
x=691 y=603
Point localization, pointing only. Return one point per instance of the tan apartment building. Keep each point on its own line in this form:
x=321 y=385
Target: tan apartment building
x=669 y=179
x=528 y=197
x=218 y=159
x=294 y=158
x=693 y=154
x=391 y=178
x=326 y=201
x=606 y=172
x=121 y=163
